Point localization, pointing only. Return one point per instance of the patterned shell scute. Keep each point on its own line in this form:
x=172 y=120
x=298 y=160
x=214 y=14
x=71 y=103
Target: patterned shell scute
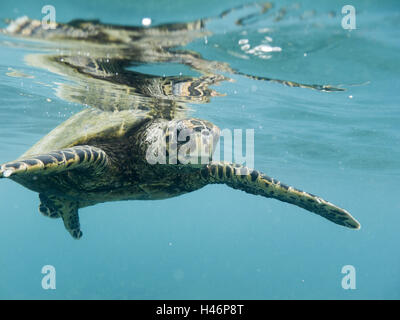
x=88 y=124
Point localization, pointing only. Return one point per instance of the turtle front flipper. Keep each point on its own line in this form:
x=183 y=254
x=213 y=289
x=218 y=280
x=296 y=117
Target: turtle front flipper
x=255 y=182
x=56 y=162
x=54 y=207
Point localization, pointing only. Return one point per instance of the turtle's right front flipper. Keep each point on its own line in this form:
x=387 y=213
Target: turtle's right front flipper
x=255 y=182
x=57 y=162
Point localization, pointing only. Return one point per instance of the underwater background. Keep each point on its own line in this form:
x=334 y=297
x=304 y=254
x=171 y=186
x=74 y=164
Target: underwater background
x=220 y=243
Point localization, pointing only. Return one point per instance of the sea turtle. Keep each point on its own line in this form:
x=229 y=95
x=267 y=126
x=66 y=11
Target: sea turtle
x=98 y=156
x=108 y=152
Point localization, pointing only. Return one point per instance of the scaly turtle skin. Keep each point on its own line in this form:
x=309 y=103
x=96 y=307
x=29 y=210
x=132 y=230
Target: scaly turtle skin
x=106 y=152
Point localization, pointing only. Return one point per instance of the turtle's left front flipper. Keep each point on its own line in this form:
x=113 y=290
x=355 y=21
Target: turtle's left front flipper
x=80 y=157
x=255 y=182
x=56 y=162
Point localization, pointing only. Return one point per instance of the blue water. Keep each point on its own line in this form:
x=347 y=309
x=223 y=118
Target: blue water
x=220 y=243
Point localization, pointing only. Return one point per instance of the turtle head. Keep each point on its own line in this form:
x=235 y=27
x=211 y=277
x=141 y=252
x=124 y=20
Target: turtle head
x=183 y=142
x=192 y=141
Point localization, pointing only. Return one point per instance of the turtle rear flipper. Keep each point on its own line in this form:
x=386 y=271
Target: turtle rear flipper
x=255 y=182
x=49 y=206
x=57 y=161
x=55 y=207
